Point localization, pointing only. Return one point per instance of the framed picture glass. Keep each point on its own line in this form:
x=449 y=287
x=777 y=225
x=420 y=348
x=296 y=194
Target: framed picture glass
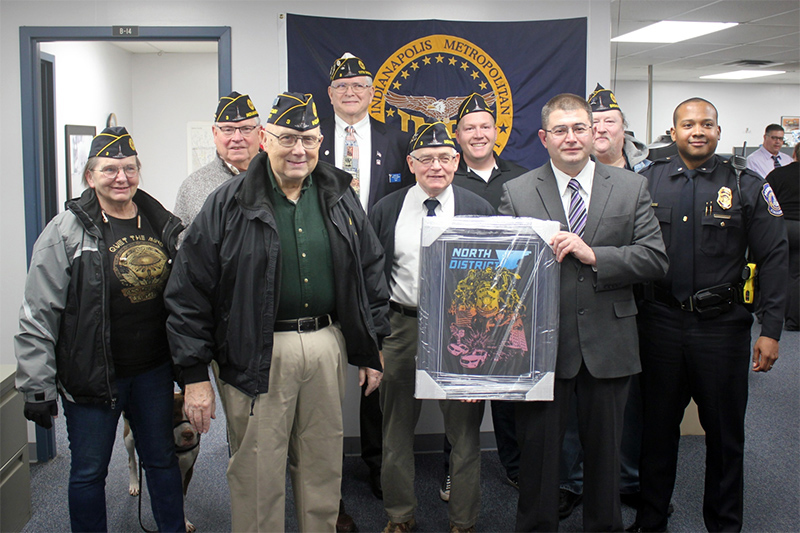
x=79 y=141
x=488 y=309
x=790 y=123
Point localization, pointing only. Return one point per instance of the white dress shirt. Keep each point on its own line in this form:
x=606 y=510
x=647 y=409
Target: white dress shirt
x=404 y=285
x=363 y=135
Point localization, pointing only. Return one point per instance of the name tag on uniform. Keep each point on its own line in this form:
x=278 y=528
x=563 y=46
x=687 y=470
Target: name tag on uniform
x=394 y=178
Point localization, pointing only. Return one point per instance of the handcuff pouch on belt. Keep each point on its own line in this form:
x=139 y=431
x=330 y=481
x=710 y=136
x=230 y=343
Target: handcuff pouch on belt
x=714 y=301
x=707 y=303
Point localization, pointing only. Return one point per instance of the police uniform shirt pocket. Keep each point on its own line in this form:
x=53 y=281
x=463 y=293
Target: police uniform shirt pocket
x=720 y=231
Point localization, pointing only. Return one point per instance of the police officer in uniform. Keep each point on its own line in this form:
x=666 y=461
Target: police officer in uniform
x=695 y=332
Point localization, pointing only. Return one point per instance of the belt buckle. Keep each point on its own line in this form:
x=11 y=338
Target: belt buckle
x=306 y=324
x=688 y=305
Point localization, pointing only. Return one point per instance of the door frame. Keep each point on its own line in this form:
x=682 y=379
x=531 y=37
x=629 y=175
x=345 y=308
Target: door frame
x=31 y=92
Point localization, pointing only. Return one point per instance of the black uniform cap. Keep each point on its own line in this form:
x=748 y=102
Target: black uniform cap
x=235 y=108
x=602 y=99
x=114 y=142
x=349 y=66
x=431 y=136
x=471 y=104
x=294 y=110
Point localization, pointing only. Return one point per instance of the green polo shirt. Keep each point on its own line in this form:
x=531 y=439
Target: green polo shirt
x=307 y=280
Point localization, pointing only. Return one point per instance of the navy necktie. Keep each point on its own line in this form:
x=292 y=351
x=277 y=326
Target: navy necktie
x=431 y=204
x=683 y=267
x=777 y=161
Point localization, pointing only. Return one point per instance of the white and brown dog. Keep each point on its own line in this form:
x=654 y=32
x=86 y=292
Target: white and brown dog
x=187 y=447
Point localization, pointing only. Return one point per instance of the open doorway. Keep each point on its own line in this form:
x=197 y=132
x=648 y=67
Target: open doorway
x=31 y=40
x=157 y=90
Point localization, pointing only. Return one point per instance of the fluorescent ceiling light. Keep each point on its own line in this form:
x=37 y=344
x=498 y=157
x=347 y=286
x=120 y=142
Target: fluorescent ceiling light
x=672 y=31
x=742 y=74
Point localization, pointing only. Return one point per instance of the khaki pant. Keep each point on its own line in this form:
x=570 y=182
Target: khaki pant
x=300 y=416
x=400 y=415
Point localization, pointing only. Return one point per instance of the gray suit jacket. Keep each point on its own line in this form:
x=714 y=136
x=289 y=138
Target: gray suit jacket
x=597 y=309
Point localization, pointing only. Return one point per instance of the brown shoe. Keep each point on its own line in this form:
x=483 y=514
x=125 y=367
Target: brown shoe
x=402 y=527
x=458 y=529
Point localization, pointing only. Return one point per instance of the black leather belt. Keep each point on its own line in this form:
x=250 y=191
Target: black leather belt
x=403 y=310
x=303 y=325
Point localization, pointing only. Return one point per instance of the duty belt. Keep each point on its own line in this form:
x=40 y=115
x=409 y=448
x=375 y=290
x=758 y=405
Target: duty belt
x=708 y=303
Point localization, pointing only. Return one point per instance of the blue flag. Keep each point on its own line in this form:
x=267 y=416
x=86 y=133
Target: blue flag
x=423 y=69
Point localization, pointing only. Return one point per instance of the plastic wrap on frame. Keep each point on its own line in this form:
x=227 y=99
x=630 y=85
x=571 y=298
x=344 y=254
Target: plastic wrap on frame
x=488 y=309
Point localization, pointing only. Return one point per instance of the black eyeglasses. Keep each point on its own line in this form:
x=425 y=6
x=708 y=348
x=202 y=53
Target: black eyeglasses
x=287 y=140
x=578 y=129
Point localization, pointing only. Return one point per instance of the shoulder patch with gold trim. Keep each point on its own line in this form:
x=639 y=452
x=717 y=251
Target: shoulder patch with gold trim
x=773 y=206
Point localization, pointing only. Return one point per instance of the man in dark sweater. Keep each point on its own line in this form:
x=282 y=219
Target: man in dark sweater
x=785 y=181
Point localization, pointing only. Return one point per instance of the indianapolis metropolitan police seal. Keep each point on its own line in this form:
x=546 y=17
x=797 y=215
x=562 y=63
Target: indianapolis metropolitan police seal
x=416 y=84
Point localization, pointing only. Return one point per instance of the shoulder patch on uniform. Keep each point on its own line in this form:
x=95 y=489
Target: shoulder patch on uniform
x=773 y=206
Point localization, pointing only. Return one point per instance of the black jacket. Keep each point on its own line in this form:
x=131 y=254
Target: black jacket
x=384 y=216
x=65 y=334
x=492 y=190
x=224 y=290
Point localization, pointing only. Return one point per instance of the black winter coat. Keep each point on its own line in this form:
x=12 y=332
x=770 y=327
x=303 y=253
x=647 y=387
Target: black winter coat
x=224 y=290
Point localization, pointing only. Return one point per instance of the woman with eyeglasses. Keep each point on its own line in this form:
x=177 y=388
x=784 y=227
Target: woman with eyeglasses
x=93 y=329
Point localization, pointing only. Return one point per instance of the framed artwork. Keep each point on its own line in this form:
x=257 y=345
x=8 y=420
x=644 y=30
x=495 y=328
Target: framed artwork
x=488 y=309
x=79 y=141
x=790 y=123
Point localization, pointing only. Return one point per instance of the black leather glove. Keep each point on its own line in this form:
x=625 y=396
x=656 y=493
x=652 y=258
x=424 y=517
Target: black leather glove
x=41 y=412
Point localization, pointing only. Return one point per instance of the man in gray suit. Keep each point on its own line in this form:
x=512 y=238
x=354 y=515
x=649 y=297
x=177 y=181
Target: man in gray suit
x=613 y=242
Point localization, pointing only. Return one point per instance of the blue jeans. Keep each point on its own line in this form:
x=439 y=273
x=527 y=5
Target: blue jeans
x=92 y=428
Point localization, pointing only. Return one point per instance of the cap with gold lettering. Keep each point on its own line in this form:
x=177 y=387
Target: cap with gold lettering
x=431 y=136
x=349 y=66
x=294 y=110
x=114 y=142
x=235 y=108
x=602 y=99
x=471 y=104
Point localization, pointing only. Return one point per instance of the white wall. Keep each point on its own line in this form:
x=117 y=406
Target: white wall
x=745 y=109
x=169 y=91
x=256 y=65
x=83 y=73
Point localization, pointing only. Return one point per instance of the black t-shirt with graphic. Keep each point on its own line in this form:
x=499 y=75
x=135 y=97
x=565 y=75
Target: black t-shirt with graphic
x=138 y=268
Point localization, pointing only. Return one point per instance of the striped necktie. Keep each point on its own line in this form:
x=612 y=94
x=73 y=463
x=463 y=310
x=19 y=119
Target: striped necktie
x=777 y=161
x=350 y=161
x=577 y=209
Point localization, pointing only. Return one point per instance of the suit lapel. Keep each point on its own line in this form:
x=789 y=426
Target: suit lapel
x=378 y=174
x=601 y=190
x=326 y=149
x=547 y=188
